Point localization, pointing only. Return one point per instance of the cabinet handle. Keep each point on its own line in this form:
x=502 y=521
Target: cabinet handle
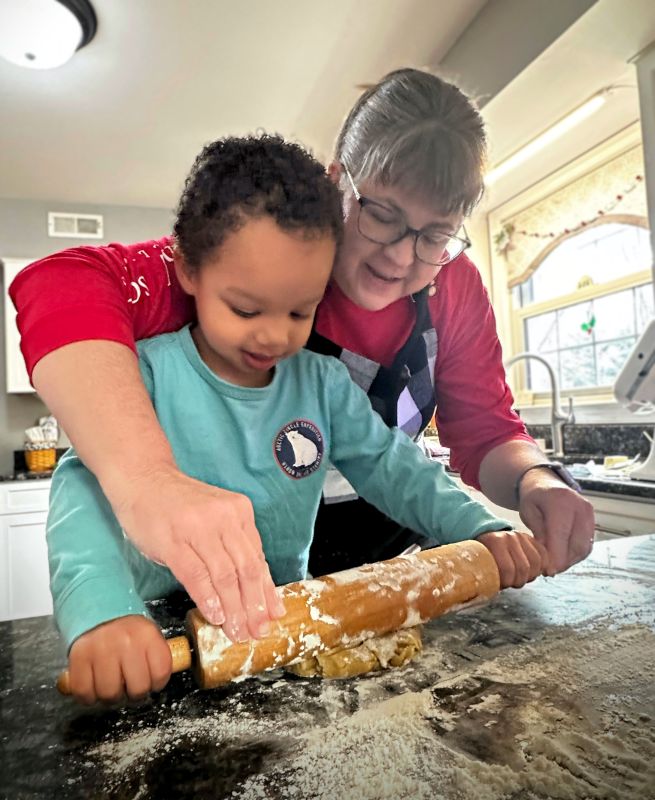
x=614 y=531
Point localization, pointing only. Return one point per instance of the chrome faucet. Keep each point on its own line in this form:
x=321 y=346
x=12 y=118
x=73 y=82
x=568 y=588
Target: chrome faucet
x=558 y=417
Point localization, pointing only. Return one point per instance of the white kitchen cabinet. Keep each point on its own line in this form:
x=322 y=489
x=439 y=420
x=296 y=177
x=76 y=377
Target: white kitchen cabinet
x=24 y=578
x=511 y=516
x=16 y=374
x=622 y=516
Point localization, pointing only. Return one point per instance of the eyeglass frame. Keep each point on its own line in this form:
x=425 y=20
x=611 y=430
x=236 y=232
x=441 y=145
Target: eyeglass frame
x=364 y=201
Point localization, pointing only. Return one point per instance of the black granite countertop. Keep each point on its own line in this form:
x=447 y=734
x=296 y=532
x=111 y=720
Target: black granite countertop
x=19 y=477
x=621 y=486
x=626 y=488
x=544 y=692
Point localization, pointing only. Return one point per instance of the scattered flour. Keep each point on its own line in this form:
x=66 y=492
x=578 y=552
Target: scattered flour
x=561 y=719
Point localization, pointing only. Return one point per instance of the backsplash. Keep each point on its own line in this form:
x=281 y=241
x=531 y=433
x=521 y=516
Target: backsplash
x=598 y=440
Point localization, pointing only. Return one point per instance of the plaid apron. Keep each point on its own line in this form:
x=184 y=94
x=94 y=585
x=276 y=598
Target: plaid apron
x=403 y=395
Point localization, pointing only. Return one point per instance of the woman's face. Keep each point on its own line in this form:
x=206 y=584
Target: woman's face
x=375 y=275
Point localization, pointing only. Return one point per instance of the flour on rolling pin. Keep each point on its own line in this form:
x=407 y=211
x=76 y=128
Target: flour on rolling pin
x=344 y=609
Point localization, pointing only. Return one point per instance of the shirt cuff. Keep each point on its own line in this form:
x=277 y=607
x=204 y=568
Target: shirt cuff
x=94 y=601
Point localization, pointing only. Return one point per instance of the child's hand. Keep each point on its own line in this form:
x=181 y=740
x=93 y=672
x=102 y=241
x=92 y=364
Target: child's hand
x=127 y=656
x=519 y=556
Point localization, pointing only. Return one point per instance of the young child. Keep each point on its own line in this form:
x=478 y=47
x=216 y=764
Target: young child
x=245 y=407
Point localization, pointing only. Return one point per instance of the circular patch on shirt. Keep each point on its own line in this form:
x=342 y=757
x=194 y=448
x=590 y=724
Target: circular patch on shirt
x=298 y=448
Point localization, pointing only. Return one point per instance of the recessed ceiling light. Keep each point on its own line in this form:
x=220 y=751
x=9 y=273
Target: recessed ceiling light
x=43 y=34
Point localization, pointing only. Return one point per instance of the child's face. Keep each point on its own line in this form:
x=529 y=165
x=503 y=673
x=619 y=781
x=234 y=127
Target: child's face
x=256 y=299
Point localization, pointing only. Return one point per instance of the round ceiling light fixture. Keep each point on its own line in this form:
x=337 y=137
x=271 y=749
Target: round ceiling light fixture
x=43 y=34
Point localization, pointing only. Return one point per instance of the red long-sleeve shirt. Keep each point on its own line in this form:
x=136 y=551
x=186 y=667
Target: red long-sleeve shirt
x=124 y=293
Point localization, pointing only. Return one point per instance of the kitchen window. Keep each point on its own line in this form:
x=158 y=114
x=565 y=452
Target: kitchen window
x=585 y=303
x=572 y=275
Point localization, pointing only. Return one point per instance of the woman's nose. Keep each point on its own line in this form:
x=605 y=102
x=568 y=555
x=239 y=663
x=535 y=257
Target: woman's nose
x=402 y=252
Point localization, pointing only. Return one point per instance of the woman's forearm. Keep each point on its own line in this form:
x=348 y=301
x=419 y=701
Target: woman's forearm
x=95 y=391
x=501 y=468
x=560 y=518
x=205 y=535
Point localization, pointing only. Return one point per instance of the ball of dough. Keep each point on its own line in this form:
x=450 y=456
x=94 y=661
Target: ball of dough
x=382 y=652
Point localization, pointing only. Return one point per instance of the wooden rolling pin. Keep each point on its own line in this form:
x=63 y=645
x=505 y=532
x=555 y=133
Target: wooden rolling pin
x=341 y=610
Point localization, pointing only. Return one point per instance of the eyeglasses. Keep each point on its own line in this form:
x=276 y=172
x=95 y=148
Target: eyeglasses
x=382 y=225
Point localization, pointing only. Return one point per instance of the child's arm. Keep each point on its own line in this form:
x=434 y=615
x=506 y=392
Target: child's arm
x=388 y=470
x=98 y=582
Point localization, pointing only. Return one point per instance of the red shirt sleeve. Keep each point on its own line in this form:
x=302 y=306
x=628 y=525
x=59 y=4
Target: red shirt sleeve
x=115 y=292
x=474 y=403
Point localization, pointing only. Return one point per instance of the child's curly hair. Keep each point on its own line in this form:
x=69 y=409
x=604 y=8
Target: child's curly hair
x=240 y=178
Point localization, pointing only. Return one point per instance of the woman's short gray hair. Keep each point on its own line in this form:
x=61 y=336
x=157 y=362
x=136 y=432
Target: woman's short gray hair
x=416 y=131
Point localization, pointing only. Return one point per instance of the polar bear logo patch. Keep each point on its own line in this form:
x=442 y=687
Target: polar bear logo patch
x=304 y=450
x=298 y=448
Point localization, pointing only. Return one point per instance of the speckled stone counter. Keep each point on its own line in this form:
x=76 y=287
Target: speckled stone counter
x=19 y=477
x=583 y=443
x=622 y=487
x=545 y=692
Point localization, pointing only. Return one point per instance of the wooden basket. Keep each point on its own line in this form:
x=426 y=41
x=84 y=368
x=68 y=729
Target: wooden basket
x=41 y=460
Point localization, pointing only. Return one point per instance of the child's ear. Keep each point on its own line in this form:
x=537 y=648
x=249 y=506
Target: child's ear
x=184 y=274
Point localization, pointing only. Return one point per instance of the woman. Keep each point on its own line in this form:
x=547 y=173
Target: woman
x=406 y=311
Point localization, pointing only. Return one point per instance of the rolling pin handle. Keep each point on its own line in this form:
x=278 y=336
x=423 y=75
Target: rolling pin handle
x=180 y=652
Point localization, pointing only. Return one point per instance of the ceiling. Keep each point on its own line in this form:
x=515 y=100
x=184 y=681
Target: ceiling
x=123 y=120
x=591 y=54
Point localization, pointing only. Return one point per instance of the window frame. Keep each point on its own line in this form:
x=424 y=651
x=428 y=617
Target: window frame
x=525 y=396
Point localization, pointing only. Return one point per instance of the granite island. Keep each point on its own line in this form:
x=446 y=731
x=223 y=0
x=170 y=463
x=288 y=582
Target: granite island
x=545 y=692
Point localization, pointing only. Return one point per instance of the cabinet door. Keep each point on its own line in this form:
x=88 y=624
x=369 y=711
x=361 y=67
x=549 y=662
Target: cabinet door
x=621 y=516
x=24 y=577
x=17 y=379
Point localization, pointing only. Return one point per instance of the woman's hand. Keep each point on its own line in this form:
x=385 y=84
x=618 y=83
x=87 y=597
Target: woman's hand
x=519 y=556
x=204 y=535
x=126 y=657
x=560 y=518
x=207 y=537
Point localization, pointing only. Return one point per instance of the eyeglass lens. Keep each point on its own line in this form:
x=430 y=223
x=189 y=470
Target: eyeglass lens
x=385 y=228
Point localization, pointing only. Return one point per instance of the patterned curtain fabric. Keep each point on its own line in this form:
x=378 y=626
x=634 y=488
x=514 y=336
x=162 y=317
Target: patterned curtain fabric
x=613 y=191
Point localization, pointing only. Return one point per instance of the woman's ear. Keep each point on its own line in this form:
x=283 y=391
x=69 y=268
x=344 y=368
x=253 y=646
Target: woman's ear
x=184 y=275
x=334 y=172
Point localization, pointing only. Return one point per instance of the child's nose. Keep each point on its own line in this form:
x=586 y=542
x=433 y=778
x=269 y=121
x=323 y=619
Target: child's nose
x=274 y=336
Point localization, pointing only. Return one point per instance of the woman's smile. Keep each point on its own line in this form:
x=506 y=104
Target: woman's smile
x=381 y=276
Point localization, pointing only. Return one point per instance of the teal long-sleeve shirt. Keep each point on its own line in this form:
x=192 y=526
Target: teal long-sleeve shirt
x=272 y=444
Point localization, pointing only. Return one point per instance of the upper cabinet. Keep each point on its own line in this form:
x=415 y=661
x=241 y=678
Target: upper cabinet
x=16 y=374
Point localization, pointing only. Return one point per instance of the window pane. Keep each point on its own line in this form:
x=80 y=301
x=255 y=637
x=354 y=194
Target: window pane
x=615 y=316
x=541 y=333
x=611 y=357
x=600 y=253
x=577 y=367
x=570 y=321
x=538 y=377
x=644 y=303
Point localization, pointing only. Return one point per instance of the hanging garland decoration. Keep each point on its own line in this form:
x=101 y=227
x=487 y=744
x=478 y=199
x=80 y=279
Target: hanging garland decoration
x=503 y=239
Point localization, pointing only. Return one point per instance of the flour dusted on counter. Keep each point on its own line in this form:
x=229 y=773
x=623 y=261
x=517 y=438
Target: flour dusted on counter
x=544 y=721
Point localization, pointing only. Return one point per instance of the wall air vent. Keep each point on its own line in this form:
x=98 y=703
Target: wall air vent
x=74 y=226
